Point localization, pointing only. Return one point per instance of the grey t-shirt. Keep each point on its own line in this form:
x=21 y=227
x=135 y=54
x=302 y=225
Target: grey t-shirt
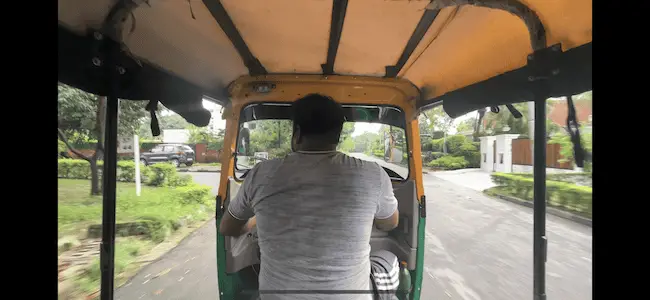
x=315 y=216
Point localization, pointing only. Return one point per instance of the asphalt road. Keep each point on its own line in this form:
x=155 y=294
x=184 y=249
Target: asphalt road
x=476 y=248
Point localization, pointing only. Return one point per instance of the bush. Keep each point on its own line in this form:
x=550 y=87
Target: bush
x=180 y=180
x=470 y=153
x=156 y=228
x=449 y=163
x=126 y=171
x=559 y=194
x=378 y=153
x=75 y=168
x=436 y=145
x=80 y=169
x=455 y=142
x=194 y=194
x=62 y=147
x=161 y=174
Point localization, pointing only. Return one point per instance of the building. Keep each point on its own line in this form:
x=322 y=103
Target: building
x=176 y=136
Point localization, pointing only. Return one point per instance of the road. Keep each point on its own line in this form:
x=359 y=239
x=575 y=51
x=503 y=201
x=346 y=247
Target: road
x=476 y=248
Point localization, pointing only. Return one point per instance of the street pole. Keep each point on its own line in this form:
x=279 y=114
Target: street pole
x=136 y=157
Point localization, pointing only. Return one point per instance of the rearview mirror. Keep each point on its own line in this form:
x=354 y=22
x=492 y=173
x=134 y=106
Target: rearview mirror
x=243 y=142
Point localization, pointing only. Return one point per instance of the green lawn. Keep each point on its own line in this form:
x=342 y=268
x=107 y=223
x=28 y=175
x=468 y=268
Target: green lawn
x=77 y=209
x=172 y=209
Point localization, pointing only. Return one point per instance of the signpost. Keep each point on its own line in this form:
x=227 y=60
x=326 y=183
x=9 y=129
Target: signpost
x=136 y=157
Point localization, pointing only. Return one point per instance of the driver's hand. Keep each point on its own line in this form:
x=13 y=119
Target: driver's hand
x=252 y=222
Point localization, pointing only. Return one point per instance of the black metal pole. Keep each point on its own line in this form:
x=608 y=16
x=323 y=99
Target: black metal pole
x=539 y=205
x=107 y=255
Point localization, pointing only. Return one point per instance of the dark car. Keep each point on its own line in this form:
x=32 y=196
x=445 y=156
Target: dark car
x=177 y=154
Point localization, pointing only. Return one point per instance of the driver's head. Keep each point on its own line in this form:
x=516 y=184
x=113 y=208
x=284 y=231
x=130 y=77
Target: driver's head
x=317 y=123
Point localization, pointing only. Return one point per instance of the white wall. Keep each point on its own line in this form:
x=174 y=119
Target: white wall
x=503 y=147
x=180 y=136
x=486 y=150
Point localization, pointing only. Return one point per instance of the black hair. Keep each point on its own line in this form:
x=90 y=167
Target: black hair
x=318 y=115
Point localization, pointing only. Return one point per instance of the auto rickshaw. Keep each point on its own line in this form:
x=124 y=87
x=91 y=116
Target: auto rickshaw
x=385 y=61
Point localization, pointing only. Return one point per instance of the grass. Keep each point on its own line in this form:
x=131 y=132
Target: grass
x=127 y=251
x=553 y=202
x=78 y=210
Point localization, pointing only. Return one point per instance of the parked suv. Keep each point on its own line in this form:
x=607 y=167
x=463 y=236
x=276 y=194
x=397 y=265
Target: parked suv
x=177 y=154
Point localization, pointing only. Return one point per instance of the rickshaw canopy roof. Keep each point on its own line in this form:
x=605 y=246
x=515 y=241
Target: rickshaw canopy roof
x=451 y=51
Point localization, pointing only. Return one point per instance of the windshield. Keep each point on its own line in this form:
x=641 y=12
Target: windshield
x=372 y=133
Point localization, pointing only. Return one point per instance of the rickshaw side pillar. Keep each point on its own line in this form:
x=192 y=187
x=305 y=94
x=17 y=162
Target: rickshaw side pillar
x=542 y=65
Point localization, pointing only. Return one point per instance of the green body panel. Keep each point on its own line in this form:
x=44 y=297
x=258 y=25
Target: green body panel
x=416 y=275
x=226 y=282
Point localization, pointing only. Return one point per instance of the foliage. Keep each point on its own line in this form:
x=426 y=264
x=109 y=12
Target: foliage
x=161 y=208
x=80 y=169
x=61 y=148
x=194 y=194
x=198 y=135
x=498 y=122
x=272 y=136
x=366 y=141
x=167 y=119
x=465 y=125
x=559 y=194
x=161 y=174
x=457 y=146
x=449 y=162
x=435 y=119
x=78 y=111
x=347 y=145
x=566 y=146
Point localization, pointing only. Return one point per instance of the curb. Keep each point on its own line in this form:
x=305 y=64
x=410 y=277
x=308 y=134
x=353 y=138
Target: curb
x=199 y=171
x=551 y=210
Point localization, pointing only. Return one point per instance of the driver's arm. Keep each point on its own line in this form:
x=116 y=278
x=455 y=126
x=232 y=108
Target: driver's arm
x=387 y=215
x=239 y=218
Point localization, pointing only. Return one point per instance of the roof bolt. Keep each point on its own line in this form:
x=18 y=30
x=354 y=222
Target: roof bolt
x=555 y=72
x=531 y=78
x=121 y=70
x=98 y=35
x=530 y=57
x=97 y=62
x=557 y=47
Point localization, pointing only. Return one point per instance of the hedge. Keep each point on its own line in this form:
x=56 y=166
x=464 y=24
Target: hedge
x=559 y=194
x=449 y=162
x=161 y=174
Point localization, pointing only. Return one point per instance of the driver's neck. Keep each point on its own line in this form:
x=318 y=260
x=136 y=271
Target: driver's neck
x=315 y=147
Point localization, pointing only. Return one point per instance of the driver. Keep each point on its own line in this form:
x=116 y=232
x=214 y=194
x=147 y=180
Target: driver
x=314 y=211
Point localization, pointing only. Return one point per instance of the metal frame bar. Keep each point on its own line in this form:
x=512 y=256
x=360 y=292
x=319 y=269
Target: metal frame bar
x=107 y=255
x=418 y=33
x=539 y=201
x=339 y=9
x=220 y=15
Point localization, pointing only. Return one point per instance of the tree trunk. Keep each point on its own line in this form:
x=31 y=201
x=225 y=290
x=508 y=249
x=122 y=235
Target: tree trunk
x=94 y=177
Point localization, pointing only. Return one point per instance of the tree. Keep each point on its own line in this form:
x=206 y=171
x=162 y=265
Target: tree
x=203 y=135
x=465 y=125
x=82 y=116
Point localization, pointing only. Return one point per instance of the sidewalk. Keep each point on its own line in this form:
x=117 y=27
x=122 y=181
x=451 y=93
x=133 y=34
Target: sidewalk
x=471 y=178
